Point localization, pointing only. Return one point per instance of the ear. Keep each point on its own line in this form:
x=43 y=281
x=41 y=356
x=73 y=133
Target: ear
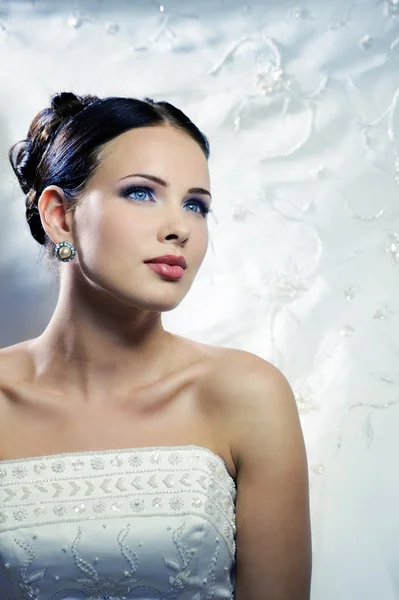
x=56 y=221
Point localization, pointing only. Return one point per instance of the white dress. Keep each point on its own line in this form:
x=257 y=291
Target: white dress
x=143 y=523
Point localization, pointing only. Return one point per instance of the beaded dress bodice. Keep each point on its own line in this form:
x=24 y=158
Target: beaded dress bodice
x=142 y=523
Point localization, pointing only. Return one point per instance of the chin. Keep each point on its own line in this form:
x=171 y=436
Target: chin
x=154 y=302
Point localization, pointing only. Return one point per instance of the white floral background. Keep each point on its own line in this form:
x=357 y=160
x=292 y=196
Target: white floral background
x=300 y=102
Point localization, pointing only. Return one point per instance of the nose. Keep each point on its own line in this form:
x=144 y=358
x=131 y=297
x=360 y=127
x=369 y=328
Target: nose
x=175 y=226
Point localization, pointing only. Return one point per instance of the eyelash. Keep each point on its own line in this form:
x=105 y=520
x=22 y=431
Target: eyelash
x=134 y=188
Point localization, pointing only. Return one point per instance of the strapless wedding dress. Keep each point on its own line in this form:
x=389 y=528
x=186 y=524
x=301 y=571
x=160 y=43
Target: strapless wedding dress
x=143 y=523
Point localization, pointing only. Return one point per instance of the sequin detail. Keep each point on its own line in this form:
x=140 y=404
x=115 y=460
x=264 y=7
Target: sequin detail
x=66 y=500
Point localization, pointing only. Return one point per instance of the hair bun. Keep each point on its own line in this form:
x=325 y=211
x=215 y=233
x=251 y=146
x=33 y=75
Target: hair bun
x=20 y=157
x=25 y=156
x=67 y=104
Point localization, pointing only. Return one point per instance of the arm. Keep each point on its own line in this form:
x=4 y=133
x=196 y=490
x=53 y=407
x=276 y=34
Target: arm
x=274 y=554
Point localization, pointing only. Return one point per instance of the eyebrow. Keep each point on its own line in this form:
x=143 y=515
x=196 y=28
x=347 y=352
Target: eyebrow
x=155 y=179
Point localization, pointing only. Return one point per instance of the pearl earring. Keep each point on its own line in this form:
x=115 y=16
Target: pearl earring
x=65 y=251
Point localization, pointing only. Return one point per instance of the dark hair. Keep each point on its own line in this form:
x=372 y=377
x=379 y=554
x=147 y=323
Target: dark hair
x=64 y=144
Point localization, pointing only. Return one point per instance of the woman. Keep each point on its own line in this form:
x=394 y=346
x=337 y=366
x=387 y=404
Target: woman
x=107 y=419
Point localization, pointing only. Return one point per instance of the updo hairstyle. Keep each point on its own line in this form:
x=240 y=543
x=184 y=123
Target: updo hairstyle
x=64 y=143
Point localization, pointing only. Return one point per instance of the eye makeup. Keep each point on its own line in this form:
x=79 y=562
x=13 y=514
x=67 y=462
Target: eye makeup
x=133 y=188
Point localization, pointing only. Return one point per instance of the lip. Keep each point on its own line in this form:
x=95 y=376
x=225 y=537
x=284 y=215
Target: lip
x=169 y=259
x=166 y=271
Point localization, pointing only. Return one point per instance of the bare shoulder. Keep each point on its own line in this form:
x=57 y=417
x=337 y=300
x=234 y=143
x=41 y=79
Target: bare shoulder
x=234 y=372
x=254 y=397
x=196 y=350
x=14 y=368
x=15 y=361
x=273 y=529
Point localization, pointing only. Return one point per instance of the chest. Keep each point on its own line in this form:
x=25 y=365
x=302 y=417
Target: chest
x=36 y=424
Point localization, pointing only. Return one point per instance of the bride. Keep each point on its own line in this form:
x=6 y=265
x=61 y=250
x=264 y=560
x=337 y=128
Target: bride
x=135 y=463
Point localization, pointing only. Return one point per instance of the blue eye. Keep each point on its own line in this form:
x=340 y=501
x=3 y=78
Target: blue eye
x=203 y=207
x=134 y=189
x=139 y=192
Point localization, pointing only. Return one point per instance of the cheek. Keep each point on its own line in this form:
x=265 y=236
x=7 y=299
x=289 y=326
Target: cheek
x=97 y=224
x=119 y=244
x=113 y=242
x=98 y=232
x=196 y=249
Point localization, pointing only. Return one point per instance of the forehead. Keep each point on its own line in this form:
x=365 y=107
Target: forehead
x=161 y=150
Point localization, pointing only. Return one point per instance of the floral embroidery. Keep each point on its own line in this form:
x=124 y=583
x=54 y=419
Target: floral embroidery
x=98 y=463
x=39 y=468
x=20 y=472
x=78 y=464
x=58 y=466
x=135 y=460
x=116 y=461
x=150 y=492
x=137 y=505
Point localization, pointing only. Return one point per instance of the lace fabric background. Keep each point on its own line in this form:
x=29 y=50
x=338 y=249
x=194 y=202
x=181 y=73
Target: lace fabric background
x=300 y=102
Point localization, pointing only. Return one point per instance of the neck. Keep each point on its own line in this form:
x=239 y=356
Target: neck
x=94 y=352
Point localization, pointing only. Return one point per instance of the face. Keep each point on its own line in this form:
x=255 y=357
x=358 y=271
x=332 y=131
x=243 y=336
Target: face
x=125 y=218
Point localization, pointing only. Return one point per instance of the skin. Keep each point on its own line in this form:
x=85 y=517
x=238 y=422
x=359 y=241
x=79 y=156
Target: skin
x=106 y=336
x=106 y=328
